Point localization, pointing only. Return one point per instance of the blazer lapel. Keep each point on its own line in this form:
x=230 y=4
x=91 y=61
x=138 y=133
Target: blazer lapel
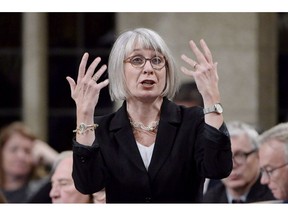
x=122 y=130
x=170 y=118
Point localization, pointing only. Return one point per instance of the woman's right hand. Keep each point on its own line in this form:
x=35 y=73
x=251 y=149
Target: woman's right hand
x=86 y=91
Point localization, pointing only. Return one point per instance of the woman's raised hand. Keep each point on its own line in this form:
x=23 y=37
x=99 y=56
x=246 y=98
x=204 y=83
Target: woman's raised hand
x=204 y=71
x=86 y=91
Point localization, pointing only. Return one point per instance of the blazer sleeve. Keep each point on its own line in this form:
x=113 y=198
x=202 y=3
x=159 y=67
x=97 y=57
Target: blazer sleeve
x=217 y=161
x=88 y=172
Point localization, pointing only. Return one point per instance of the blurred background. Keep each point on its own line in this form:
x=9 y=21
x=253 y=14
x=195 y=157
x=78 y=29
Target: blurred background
x=38 y=50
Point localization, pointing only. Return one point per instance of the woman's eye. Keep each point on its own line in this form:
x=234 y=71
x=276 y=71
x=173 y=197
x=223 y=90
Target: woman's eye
x=156 y=60
x=137 y=60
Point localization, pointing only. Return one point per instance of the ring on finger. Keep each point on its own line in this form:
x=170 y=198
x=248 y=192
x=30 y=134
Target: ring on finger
x=95 y=78
x=195 y=65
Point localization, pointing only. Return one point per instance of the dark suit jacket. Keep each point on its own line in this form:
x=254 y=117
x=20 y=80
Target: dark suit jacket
x=186 y=151
x=257 y=193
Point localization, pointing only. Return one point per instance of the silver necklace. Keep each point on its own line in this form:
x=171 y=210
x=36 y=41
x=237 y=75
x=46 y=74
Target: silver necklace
x=151 y=127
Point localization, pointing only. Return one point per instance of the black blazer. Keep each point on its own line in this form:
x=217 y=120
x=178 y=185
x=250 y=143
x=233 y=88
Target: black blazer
x=257 y=193
x=186 y=151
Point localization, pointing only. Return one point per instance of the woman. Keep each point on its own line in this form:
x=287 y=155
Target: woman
x=150 y=150
x=20 y=172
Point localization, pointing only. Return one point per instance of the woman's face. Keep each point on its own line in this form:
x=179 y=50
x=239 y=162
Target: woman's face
x=145 y=82
x=17 y=156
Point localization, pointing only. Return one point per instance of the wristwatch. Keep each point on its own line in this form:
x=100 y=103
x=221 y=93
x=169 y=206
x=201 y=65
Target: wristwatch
x=216 y=108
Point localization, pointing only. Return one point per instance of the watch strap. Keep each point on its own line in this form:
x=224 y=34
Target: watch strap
x=209 y=109
x=216 y=108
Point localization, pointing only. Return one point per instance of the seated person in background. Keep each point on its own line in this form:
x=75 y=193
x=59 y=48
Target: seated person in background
x=63 y=189
x=188 y=95
x=243 y=184
x=44 y=155
x=19 y=173
x=273 y=154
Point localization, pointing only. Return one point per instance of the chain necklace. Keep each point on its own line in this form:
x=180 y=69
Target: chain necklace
x=150 y=128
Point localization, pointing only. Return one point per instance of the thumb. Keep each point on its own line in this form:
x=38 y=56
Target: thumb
x=215 y=65
x=216 y=71
x=72 y=84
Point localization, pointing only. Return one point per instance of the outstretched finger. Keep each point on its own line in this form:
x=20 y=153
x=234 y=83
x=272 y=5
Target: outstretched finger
x=93 y=65
x=82 y=67
x=72 y=84
x=189 y=61
x=99 y=73
x=187 y=72
x=103 y=84
x=199 y=55
x=207 y=51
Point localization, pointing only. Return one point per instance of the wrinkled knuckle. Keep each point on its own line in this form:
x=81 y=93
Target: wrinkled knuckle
x=209 y=68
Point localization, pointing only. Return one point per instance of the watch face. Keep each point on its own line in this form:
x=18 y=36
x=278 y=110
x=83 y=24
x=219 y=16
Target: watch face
x=219 y=108
x=82 y=127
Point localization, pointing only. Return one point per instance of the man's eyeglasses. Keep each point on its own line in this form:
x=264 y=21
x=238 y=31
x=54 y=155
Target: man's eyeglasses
x=138 y=61
x=268 y=173
x=241 y=157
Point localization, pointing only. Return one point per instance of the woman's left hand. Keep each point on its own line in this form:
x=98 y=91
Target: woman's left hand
x=204 y=72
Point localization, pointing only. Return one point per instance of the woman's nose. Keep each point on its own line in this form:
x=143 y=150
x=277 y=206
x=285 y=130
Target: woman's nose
x=148 y=72
x=148 y=67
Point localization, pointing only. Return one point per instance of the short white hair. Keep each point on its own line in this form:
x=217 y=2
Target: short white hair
x=279 y=132
x=237 y=128
x=123 y=46
x=61 y=157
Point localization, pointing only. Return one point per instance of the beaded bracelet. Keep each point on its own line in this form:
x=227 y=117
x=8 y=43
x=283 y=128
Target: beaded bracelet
x=83 y=128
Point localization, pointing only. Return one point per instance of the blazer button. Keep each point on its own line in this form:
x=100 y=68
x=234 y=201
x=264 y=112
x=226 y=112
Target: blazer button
x=148 y=199
x=82 y=159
